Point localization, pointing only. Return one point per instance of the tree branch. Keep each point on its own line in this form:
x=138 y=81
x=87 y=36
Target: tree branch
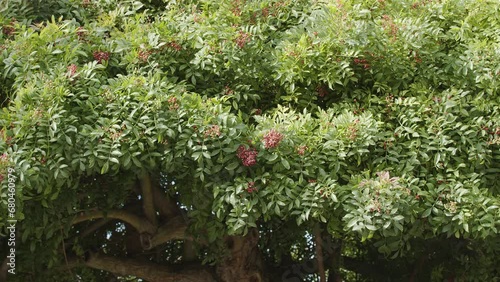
x=188 y=251
x=174 y=229
x=94 y=227
x=147 y=270
x=65 y=255
x=142 y=225
x=147 y=199
x=166 y=206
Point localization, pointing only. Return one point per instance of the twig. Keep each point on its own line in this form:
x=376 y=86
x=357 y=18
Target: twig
x=65 y=256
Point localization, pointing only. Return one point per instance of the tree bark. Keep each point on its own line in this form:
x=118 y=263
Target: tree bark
x=147 y=199
x=142 y=225
x=319 y=253
x=174 y=229
x=147 y=270
x=166 y=206
x=418 y=267
x=335 y=253
x=3 y=270
x=244 y=262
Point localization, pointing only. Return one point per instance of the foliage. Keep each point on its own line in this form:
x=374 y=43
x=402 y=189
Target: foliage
x=378 y=120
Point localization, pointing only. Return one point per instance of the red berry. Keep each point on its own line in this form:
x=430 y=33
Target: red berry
x=72 y=70
x=302 y=150
x=100 y=56
x=247 y=156
x=272 y=139
x=251 y=187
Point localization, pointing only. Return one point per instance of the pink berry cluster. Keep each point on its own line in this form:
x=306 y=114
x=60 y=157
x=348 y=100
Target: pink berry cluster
x=236 y=8
x=272 y=139
x=81 y=33
x=301 y=150
x=352 y=130
x=115 y=135
x=72 y=70
x=322 y=90
x=265 y=12
x=363 y=62
x=251 y=187
x=86 y=3
x=417 y=58
x=174 y=45
x=390 y=26
x=247 y=156
x=100 y=56
x=8 y=140
x=3 y=163
x=228 y=91
x=242 y=39
x=173 y=103
x=213 y=131
x=143 y=55
x=9 y=29
x=417 y=4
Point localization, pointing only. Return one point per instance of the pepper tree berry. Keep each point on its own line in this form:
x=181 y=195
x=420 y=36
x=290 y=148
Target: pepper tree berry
x=100 y=56
x=272 y=139
x=247 y=156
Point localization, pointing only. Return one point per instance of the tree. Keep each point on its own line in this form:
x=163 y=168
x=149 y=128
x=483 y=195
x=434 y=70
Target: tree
x=250 y=140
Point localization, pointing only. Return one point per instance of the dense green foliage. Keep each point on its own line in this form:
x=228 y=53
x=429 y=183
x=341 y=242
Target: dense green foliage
x=377 y=120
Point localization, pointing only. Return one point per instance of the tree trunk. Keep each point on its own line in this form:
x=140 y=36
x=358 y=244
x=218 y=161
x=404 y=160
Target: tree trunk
x=244 y=262
x=336 y=256
x=3 y=270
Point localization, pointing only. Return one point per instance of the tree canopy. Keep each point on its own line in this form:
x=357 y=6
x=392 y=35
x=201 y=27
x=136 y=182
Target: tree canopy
x=257 y=140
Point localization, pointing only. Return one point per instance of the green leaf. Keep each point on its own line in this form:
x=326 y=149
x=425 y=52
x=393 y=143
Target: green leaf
x=136 y=162
x=232 y=165
x=206 y=155
x=105 y=168
x=427 y=212
x=285 y=163
x=398 y=218
x=271 y=157
x=370 y=227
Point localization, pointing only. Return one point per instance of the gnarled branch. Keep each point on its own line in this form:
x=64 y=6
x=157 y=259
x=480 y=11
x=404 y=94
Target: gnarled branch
x=147 y=270
x=94 y=227
x=142 y=225
x=166 y=206
x=174 y=229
